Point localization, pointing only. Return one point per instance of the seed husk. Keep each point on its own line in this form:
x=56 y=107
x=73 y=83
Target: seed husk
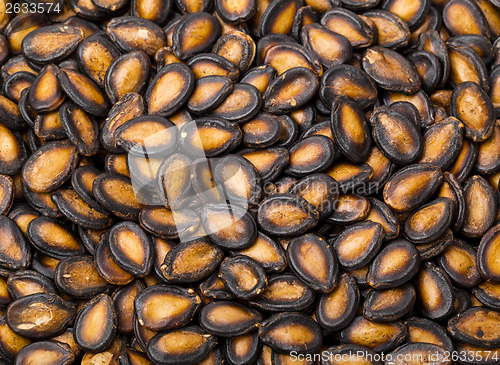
x=391 y=31
x=127 y=73
x=97 y=46
x=350 y=129
x=488 y=156
x=195 y=33
x=389 y=305
x=349 y=81
x=477 y=326
x=129 y=106
x=478 y=218
x=50 y=166
x=235 y=13
x=487 y=294
x=108 y=268
x=470 y=21
x=321 y=272
x=435 y=292
x=411 y=186
x=50 y=236
x=260 y=77
x=237 y=47
x=196 y=345
x=209 y=137
x=350 y=208
x=269 y=254
x=77 y=276
x=14 y=154
x=207 y=64
x=78 y=211
x=349 y=354
x=151 y=135
x=95 y=324
x=464 y=163
x=284 y=292
x=286 y=214
x=291 y=90
x=351 y=177
x=459 y=262
x=213 y=287
x=229 y=319
x=390 y=70
x=80 y=127
x=238 y=180
x=209 y=93
x=358 y=245
x=269 y=162
x=10 y=342
x=426 y=331
x=53 y=351
x=27 y=282
x=430 y=221
x=478 y=124
x=466 y=66
x=424 y=351
x=40 y=315
x=121 y=29
x=165 y=307
x=242 y=276
x=376 y=336
x=123 y=301
x=412 y=13
x=241 y=105
x=428 y=67
x=83 y=92
x=311 y=154
x=397 y=137
x=229 y=226
x=320 y=190
x=292 y=331
x=242 y=349
x=168 y=224
x=395 y=264
x=184 y=264
x=130 y=248
x=169 y=89
x=58 y=42
x=331 y=48
x=277 y=18
x=115 y=192
x=262 y=131
x=486 y=263
x=335 y=310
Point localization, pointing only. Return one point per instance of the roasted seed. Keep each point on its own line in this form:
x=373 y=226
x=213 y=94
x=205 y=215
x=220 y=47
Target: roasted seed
x=95 y=324
x=164 y=307
x=191 y=261
x=477 y=326
x=292 y=331
x=196 y=346
x=242 y=276
x=335 y=310
x=229 y=319
x=376 y=336
x=396 y=264
x=40 y=315
x=229 y=226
